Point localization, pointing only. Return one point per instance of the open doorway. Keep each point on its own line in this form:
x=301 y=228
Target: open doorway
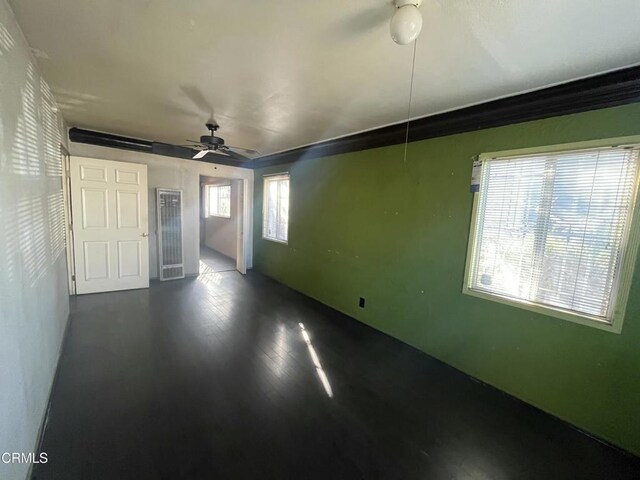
x=221 y=224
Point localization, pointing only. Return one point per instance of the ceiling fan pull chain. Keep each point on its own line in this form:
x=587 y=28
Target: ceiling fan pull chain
x=413 y=68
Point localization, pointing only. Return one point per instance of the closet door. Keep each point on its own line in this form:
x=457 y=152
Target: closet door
x=110 y=225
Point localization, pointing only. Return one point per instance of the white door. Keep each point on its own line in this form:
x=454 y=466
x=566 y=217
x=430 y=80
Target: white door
x=110 y=225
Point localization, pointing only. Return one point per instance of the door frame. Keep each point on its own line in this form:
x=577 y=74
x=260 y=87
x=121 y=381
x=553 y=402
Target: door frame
x=243 y=222
x=244 y=225
x=68 y=218
x=241 y=257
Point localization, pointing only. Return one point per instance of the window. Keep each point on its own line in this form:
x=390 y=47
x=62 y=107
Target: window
x=219 y=197
x=551 y=232
x=275 y=221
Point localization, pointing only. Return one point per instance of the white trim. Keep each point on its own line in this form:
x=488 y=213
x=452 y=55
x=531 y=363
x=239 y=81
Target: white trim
x=68 y=220
x=628 y=141
x=630 y=246
x=204 y=199
x=247 y=227
x=239 y=225
x=275 y=240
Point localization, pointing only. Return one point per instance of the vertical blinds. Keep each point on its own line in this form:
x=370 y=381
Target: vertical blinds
x=551 y=229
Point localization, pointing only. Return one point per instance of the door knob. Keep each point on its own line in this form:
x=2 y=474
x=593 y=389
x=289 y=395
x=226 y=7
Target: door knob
x=145 y=234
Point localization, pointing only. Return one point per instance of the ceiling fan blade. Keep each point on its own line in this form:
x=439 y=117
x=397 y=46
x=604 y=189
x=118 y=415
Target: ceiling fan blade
x=248 y=150
x=200 y=154
x=234 y=155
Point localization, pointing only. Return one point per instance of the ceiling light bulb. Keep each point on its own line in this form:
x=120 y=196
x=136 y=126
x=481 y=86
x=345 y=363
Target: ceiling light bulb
x=406 y=22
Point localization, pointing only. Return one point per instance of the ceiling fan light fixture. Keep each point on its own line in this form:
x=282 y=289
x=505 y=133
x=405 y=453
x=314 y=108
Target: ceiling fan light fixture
x=213 y=144
x=406 y=22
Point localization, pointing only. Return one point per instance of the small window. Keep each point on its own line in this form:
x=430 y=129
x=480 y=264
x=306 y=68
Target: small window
x=275 y=224
x=219 y=201
x=551 y=232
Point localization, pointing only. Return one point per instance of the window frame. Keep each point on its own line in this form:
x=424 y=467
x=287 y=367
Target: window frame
x=629 y=247
x=208 y=199
x=271 y=178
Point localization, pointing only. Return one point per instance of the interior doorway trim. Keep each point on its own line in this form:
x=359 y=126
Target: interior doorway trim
x=68 y=230
x=244 y=226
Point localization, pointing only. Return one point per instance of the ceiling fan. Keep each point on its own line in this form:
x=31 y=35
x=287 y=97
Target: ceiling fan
x=212 y=144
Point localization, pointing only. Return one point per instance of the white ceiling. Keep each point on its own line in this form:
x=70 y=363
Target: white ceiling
x=285 y=73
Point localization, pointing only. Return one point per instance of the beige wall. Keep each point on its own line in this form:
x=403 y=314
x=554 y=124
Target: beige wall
x=34 y=298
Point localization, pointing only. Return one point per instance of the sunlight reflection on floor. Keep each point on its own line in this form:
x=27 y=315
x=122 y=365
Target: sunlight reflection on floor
x=316 y=361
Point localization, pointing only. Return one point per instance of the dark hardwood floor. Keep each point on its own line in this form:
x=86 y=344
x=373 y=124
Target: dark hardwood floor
x=212 y=261
x=224 y=377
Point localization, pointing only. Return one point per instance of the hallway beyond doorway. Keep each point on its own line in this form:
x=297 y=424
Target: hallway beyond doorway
x=212 y=261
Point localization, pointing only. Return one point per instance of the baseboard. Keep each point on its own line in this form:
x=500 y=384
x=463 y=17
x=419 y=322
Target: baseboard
x=45 y=416
x=475 y=379
x=186 y=275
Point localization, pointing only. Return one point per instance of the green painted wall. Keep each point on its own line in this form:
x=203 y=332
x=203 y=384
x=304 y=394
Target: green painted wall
x=369 y=224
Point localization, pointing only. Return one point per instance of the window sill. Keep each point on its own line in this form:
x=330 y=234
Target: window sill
x=614 y=327
x=276 y=240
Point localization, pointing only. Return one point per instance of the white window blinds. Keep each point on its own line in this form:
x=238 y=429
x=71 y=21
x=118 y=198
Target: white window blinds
x=275 y=224
x=551 y=229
